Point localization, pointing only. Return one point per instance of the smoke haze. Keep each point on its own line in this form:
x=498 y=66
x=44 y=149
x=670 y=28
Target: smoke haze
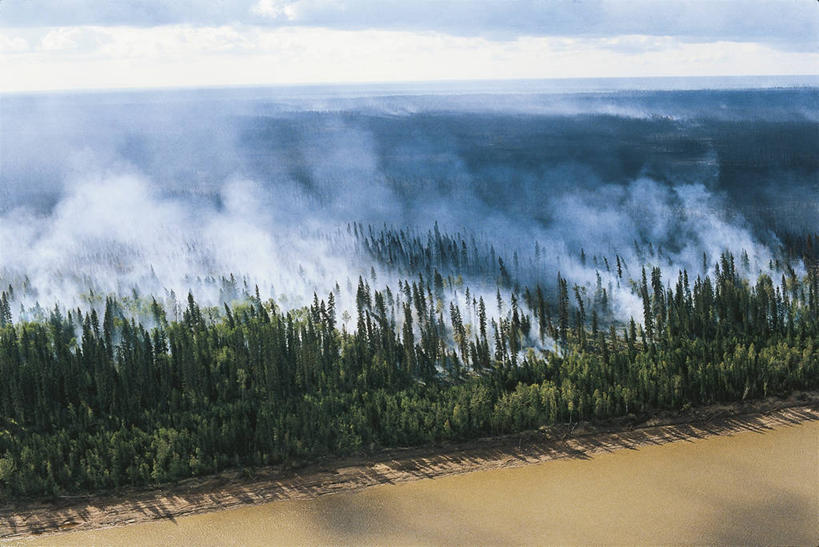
x=159 y=191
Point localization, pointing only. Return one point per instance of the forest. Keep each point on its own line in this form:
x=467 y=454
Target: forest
x=194 y=281
x=132 y=391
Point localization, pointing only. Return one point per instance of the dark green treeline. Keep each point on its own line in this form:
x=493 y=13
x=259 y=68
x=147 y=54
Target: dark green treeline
x=92 y=403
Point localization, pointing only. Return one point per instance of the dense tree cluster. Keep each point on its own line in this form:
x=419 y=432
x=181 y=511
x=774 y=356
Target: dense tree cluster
x=92 y=400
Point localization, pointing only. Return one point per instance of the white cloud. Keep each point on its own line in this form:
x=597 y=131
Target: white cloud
x=276 y=9
x=12 y=44
x=60 y=39
x=183 y=55
x=786 y=24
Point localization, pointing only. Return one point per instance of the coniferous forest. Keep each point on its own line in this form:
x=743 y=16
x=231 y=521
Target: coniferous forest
x=93 y=401
x=407 y=270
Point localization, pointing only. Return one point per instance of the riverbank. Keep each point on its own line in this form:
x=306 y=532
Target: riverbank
x=233 y=489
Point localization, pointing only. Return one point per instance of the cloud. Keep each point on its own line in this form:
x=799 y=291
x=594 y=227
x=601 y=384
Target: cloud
x=787 y=24
x=276 y=9
x=12 y=44
x=82 y=44
x=67 y=39
x=96 y=57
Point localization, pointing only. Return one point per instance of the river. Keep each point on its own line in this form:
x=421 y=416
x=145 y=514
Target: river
x=749 y=487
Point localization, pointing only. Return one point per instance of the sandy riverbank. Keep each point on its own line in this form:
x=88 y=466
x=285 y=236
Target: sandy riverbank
x=232 y=489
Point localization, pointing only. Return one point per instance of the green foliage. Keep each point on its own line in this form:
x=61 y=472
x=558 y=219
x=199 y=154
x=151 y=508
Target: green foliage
x=89 y=404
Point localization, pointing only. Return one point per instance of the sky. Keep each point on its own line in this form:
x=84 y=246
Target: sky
x=111 y=44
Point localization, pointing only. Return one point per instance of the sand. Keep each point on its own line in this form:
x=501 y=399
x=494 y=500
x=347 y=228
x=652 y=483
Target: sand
x=236 y=488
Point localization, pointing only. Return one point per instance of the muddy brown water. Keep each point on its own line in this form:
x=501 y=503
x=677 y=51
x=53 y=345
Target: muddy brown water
x=743 y=488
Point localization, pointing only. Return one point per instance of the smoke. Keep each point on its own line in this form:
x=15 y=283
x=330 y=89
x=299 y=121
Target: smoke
x=114 y=233
x=162 y=193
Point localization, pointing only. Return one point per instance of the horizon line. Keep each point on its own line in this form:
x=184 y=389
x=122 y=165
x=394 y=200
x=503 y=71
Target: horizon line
x=774 y=81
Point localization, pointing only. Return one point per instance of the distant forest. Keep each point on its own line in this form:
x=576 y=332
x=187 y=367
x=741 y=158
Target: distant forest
x=127 y=392
x=200 y=280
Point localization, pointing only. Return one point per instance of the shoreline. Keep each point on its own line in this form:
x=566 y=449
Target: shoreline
x=230 y=489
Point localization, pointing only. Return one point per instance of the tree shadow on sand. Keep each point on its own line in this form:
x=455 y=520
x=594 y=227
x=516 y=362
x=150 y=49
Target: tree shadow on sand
x=271 y=484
